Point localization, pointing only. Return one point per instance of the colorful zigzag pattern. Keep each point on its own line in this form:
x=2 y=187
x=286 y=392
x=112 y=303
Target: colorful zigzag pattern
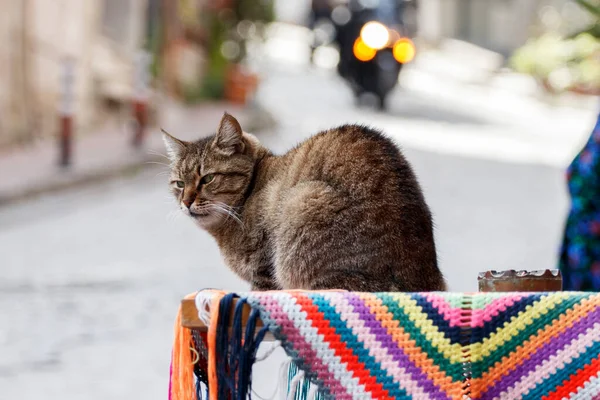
x=440 y=345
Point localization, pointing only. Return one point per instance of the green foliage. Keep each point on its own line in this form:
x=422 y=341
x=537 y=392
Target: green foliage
x=221 y=27
x=564 y=62
x=213 y=82
x=254 y=10
x=153 y=46
x=249 y=10
x=594 y=10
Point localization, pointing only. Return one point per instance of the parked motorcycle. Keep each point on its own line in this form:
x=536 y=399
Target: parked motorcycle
x=374 y=43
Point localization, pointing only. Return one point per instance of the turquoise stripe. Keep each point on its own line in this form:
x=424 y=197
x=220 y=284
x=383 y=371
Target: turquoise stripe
x=544 y=320
x=454 y=370
x=550 y=384
x=358 y=349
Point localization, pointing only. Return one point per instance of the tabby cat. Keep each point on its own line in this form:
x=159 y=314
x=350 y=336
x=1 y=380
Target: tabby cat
x=342 y=210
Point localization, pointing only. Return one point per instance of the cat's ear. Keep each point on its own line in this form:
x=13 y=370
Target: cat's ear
x=174 y=146
x=228 y=139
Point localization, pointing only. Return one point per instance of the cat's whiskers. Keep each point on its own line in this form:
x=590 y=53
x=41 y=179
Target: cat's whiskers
x=228 y=211
x=228 y=207
x=163 y=173
x=173 y=215
x=156 y=153
x=169 y=199
x=233 y=209
x=159 y=163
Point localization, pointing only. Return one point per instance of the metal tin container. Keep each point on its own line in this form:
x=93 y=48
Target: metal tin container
x=549 y=280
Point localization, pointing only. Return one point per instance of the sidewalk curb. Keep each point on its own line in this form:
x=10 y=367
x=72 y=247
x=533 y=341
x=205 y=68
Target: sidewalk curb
x=77 y=179
x=257 y=120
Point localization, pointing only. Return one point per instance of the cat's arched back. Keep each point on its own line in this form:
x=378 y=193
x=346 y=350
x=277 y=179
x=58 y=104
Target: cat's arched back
x=342 y=210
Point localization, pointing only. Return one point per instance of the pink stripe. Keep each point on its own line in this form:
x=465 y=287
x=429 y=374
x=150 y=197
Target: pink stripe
x=450 y=314
x=392 y=367
x=304 y=349
x=551 y=365
x=589 y=390
x=453 y=314
x=480 y=316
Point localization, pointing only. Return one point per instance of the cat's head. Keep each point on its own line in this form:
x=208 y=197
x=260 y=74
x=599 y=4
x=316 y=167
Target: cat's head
x=210 y=177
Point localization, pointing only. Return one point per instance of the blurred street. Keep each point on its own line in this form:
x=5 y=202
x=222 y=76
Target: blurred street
x=92 y=277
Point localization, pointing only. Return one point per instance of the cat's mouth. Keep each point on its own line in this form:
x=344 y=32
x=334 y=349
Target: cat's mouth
x=196 y=214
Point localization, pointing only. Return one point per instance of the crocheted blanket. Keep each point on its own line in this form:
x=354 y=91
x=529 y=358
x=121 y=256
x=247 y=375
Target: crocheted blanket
x=425 y=345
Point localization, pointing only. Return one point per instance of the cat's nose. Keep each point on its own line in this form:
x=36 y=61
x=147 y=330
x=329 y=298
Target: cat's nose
x=187 y=202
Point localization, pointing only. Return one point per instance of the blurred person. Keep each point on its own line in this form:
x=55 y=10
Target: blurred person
x=370 y=70
x=319 y=9
x=580 y=253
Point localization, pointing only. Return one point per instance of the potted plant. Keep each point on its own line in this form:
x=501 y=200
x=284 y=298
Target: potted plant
x=246 y=20
x=565 y=62
x=224 y=28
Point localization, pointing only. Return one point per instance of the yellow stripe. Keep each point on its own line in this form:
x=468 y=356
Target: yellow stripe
x=452 y=352
x=415 y=354
x=479 y=351
x=538 y=340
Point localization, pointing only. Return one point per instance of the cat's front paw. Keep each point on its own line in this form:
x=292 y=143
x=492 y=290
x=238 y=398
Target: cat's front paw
x=263 y=286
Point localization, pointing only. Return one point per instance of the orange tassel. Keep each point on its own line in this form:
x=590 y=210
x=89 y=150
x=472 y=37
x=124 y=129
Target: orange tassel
x=181 y=384
x=212 y=346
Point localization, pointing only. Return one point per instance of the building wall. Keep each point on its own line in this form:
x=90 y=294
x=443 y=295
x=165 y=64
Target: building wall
x=498 y=25
x=66 y=31
x=13 y=94
x=35 y=38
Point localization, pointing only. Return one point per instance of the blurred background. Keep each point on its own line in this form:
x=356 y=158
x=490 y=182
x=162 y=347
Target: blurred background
x=489 y=99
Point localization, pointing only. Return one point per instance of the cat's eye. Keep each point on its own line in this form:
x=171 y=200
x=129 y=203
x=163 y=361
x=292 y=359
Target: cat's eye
x=180 y=184
x=208 y=178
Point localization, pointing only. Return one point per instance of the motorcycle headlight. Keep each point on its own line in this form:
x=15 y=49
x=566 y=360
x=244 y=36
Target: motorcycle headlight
x=363 y=52
x=375 y=35
x=404 y=50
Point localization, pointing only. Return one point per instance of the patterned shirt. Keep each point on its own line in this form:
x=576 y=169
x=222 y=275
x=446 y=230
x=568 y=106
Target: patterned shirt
x=580 y=253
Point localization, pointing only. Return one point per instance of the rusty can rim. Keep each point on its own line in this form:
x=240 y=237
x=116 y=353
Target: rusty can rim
x=512 y=274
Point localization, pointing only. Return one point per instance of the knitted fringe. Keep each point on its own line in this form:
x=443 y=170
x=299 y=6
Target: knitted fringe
x=236 y=351
x=304 y=389
x=201 y=363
